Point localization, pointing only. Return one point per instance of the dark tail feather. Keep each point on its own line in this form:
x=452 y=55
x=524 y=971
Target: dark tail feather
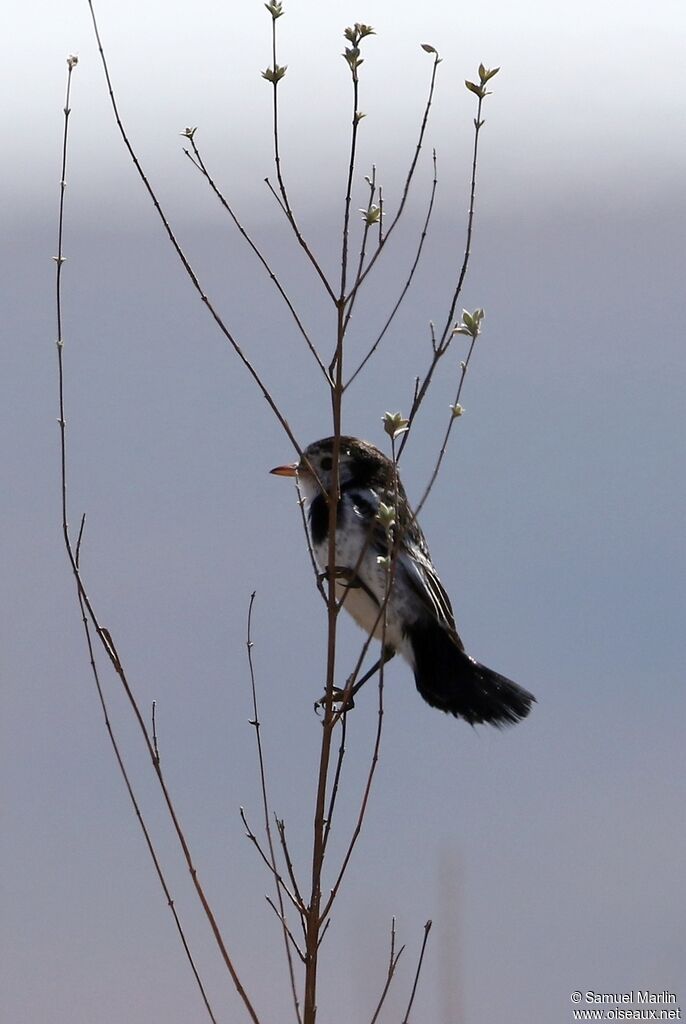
x=447 y=678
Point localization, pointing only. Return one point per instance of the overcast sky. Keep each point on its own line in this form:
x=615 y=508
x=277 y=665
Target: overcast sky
x=550 y=857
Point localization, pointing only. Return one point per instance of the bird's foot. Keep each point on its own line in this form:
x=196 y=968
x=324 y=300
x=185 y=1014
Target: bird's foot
x=340 y=696
x=341 y=573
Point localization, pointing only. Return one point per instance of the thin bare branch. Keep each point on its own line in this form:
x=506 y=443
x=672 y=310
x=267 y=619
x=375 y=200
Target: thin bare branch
x=75 y=558
x=349 y=185
x=154 y=731
x=408 y=181
x=267 y=819
x=284 y=201
x=392 y=964
x=273 y=871
x=454 y=415
x=266 y=394
x=310 y=551
x=441 y=347
x=104 y=636
x=406 y=286
x=198 y=162
x=368 y=221
x=281 y=829
x=427 y=929
x=284 y=924
x=336 y=781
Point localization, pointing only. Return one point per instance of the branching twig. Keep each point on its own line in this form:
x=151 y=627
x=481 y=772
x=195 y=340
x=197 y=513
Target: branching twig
x=198 y=162
x=265 y=859
x=392 y=964
x=370 y=217
x=106 y=639
x=455 y=414
x=383 y=239
x=266 y=394
x=440 y=347
x=75 y=557
x=275 y=78
x=287 y=932
x=406 y=286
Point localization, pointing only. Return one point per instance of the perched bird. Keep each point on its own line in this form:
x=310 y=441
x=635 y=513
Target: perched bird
x=374 y=523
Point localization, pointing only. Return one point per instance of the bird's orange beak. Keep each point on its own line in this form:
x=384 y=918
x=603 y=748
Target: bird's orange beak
x=289 y=470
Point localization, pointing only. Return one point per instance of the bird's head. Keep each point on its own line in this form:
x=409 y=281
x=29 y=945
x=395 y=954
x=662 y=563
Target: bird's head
x=360 y=463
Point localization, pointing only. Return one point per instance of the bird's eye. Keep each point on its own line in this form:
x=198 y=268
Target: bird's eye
x=326 y=463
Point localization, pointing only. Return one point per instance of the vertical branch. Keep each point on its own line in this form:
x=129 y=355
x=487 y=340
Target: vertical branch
x=354 y=62
x=274 y=74
x=267 y=815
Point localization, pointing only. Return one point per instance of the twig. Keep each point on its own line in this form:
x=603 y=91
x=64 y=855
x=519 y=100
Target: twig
x=408 y=181
x=286 y=929
x=75 y=558
x=141 y=821
x=154 y=732
x=267 y=816
x=266 y=394
x=273 y=871
x=285 y=202
x=281 y=829
x=441 y=347
x=106 y=639
x=408 y=282
x=446 y=436
x=427 y=929
x=308 y=541
x=199 y=163
x=336 y=781
x=392 y=964
x=371 y=181
x=349 y=185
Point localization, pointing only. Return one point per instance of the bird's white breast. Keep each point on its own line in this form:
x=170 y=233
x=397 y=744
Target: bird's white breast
x=355 y=553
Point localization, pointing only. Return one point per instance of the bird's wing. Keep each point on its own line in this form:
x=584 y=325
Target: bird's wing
x=422 y=578
x=413 y=559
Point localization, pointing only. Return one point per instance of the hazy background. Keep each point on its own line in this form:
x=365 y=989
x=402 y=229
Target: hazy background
x=550 y=857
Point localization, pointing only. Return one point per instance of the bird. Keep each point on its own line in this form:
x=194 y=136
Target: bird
x=379 y=542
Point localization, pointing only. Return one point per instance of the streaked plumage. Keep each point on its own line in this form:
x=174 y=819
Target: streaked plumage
x=419 y=618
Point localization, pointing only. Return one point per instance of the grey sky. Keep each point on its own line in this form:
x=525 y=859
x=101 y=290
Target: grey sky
x=549 y=857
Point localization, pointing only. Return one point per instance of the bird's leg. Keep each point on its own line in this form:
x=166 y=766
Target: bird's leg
x=345 y=696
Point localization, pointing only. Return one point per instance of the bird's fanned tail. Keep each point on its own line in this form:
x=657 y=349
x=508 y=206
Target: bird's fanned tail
x=448 y=679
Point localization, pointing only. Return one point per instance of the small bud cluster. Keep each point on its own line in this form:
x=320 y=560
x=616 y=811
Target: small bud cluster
x=395 y=424
x=372 y=215
x=354 y=36
x=485 y=74
x=275 y=74
x=470 y=324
